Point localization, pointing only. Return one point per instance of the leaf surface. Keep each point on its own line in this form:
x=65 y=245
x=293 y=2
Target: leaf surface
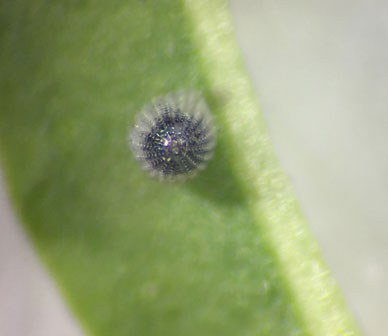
x=227 y=253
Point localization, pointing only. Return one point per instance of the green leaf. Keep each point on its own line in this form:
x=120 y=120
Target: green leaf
x=227 y=253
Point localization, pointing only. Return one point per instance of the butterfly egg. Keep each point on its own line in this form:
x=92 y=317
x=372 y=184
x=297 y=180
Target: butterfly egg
x=173 y=137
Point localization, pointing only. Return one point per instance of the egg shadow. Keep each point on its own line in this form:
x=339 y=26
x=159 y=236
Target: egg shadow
x=218 y=182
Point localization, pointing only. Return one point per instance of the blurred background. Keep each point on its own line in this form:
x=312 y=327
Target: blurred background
x=320 y=70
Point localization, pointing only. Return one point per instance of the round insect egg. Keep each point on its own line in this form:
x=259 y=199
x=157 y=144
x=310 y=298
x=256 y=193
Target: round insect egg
x=173 y=137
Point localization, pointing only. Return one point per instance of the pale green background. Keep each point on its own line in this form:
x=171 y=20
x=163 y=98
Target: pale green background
x=320 y=69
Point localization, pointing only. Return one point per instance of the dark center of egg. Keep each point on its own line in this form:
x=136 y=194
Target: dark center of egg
x=171 y=145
